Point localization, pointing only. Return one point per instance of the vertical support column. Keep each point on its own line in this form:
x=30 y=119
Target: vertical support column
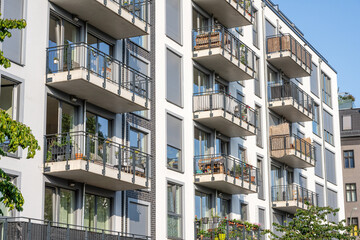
x=119 y=162
x=104 y=157
x=67 y=150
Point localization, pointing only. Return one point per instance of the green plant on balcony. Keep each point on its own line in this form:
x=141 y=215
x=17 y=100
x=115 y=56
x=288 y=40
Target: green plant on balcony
x=54 y=146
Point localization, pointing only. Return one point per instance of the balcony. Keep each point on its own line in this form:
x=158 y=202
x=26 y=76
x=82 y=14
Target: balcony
x=293 y=151
x=231 y=13
x=289 y=101
x=219 y=50
x=289 y=198
x=288 y=55
x=117 y=18
x=226 y=114
x=86 y=158
x=226 y=174
x=87 y=73
x=27 y=228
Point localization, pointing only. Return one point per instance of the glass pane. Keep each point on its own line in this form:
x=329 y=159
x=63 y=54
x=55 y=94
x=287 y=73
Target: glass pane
x=54 y=32
x=173 y=157
x=6 y=97
x=103 y=213
x=71 y=33
x=90 y=123
x=67 y=206
x=89 y=214
x=52 y=115
x=49 y=204
x=103 y=127
x=68 y=117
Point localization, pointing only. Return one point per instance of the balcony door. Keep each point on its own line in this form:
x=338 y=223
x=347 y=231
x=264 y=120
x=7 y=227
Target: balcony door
x=276 y=183
x=97 y=212
x=223 y=207
x=201 y=143
x=201 y=82
x=221 y=147
x=200 y=22
x=202 y=205
x=60 y=116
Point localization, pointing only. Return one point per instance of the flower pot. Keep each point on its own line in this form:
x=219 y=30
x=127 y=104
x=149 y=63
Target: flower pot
x=222 y=236
x=78 y=156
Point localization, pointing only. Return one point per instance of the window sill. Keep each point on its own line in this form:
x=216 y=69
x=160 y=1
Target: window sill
x=175 y=170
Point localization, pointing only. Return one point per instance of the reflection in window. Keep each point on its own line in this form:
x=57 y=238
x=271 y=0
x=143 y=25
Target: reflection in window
x=97 y=212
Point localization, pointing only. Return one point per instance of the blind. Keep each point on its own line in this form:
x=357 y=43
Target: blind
x=347 y=122
x=318 y=163
x=173 y=20
x=330 y=166
x=314 y=85
x=13 y=9
x=319 y=189
x=328 y=121
x=262 y=218
x=173 y=77
x=138 y=218
x=174 y=131
x=332 y=202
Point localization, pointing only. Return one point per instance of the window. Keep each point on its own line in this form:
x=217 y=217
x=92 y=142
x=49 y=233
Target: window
x=174 y=142
x=244 y=211
x=272 y=76
x=97 y=125
x=9 y=91
x=201 y=143
x=242 y=154
x=255 y=29
x=174 y=222
x=316 y=120
x=240 y=96
x=257 y=85
x=240 y=30
x=221 y=147
x=220 y=87
x=5 y=211
x=173 y=20
x=138 y=140
x=270 y=29
x=138 y=214
x=279 y=219
x=260 y=178
x=326 y=91
x=355 y=224
x=202 y=205
x=199 y=21
x=332 y=202
x=142 y=41
x=222 y=207
x=97 y=212
x=49 y=204
x=314 y=85
x=328 y=127
x=319 y=190
x=12 y=47
x=258 y=125
x=349 y=159
x=346 y=122
x=330 y=166
x=318 y=160
x=262 y=221
x=350 y=189
x=173 y=78
x=201 y=82
x=59 y=205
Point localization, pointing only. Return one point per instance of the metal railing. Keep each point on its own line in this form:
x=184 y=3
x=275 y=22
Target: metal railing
x=286 y=42
x=294 y=192
x=207 y=229
x=35 y=229
x=91 y=148
x=74 y=56
x=228 y=165
x=209 y=101
x=138 y=9
x=219 y=36
x=290 y=90
x=283 y=143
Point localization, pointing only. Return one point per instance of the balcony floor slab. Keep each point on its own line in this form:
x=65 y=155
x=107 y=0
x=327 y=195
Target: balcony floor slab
x=289 y=64
x=291 y=110
x=292 y=158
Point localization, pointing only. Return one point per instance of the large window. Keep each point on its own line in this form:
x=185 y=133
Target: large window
x=318 y=157
x=174 y=142
x=319 y=189
x=201 y=143
x=330 y=166
x=138 y=140
x=244 y=211
x=12 y=47
x=349 y=159
x=270 y=29
x=260 y=178
x=316 y=120
x=174 y=221
x=259 y=141
x=223 y=207
x=97 y=212
x=328 y=127
x=333 y=203
x=350 y=189
x=314 y=85
x=9 y=97
x=255 y=28
x=201 y=81
x=173 y=20
x=326 y=90
x=173 y=78
x=202 y=205
x=257 y=85
x=138 y=214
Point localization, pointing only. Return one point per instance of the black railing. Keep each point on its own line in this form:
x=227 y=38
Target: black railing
x=246 y=5
x=218 y=36
x=228 y=165
x=281 y=144
x=282 y=43
x=138 y=8
x=209 y=101
x=74 y=56
x=290 y=90
x=91 y=148
x=34 y=229
x=294 y=192
x=223 y=229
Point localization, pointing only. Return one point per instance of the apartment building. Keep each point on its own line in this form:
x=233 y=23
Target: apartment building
x=154 y=113
x=82 y=79
x=350 y=147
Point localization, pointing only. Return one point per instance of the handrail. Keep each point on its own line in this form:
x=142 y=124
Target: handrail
x=226 y=164
x=37 y=228
x=218 y=36
x=286 y=42
x=289 y=90
x=89 y=147
x=213 y=100
x=65 y=58
x=139 y=9
x=294 y=192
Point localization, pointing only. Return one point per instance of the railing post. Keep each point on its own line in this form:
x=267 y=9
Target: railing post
x=45 y=151
x=119 y=162
x=147 y=82
x=120 y=77
x=87 y=151
x=68 y=47
x=222 y=40
x=68 y=232
x=146 y=15
x=209 y=39
x=225 y=109
x=297 y=195
x=242 y=172
x=86 y=233
x=147 y=170
x=102 y=235
x=234 y=172
x=133 y=11
x=244 y=232
x=133 y=165
x=29 y=229
x=48 y=231
x=67 y=151
x=212 y=169
x=5 y=229
x=133 y=85
x=104 y=157
x=250 y=182
x=227 y=229
x=104 y=73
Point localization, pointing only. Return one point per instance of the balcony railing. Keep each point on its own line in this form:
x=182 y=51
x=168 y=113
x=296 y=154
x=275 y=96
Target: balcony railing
x=75 y=56
x=28 y=228
x=291 y=91
x=281 y=144
x=138 y=8
x=207 y=229
x=228 y=165
x=294 y=192
x=210 y=101
x=218 y=36
x=282 y=43
x=93 y=149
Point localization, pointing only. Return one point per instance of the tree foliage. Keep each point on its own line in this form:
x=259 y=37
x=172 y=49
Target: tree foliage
x=13 y=135
x=312 y=224
x=5 y=26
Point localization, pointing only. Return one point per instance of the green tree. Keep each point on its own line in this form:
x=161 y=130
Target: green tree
x=312 y=224
x=13 y=135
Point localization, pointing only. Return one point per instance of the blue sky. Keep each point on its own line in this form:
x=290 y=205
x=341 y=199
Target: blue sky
x=333 y=28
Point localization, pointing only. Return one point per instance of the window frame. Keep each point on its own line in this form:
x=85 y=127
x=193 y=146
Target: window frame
x=180 y=40
x=347 y=158
x=350 y=188
x=178 y=215
x=180 y=159
x=181 y=102
x=96 y=209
